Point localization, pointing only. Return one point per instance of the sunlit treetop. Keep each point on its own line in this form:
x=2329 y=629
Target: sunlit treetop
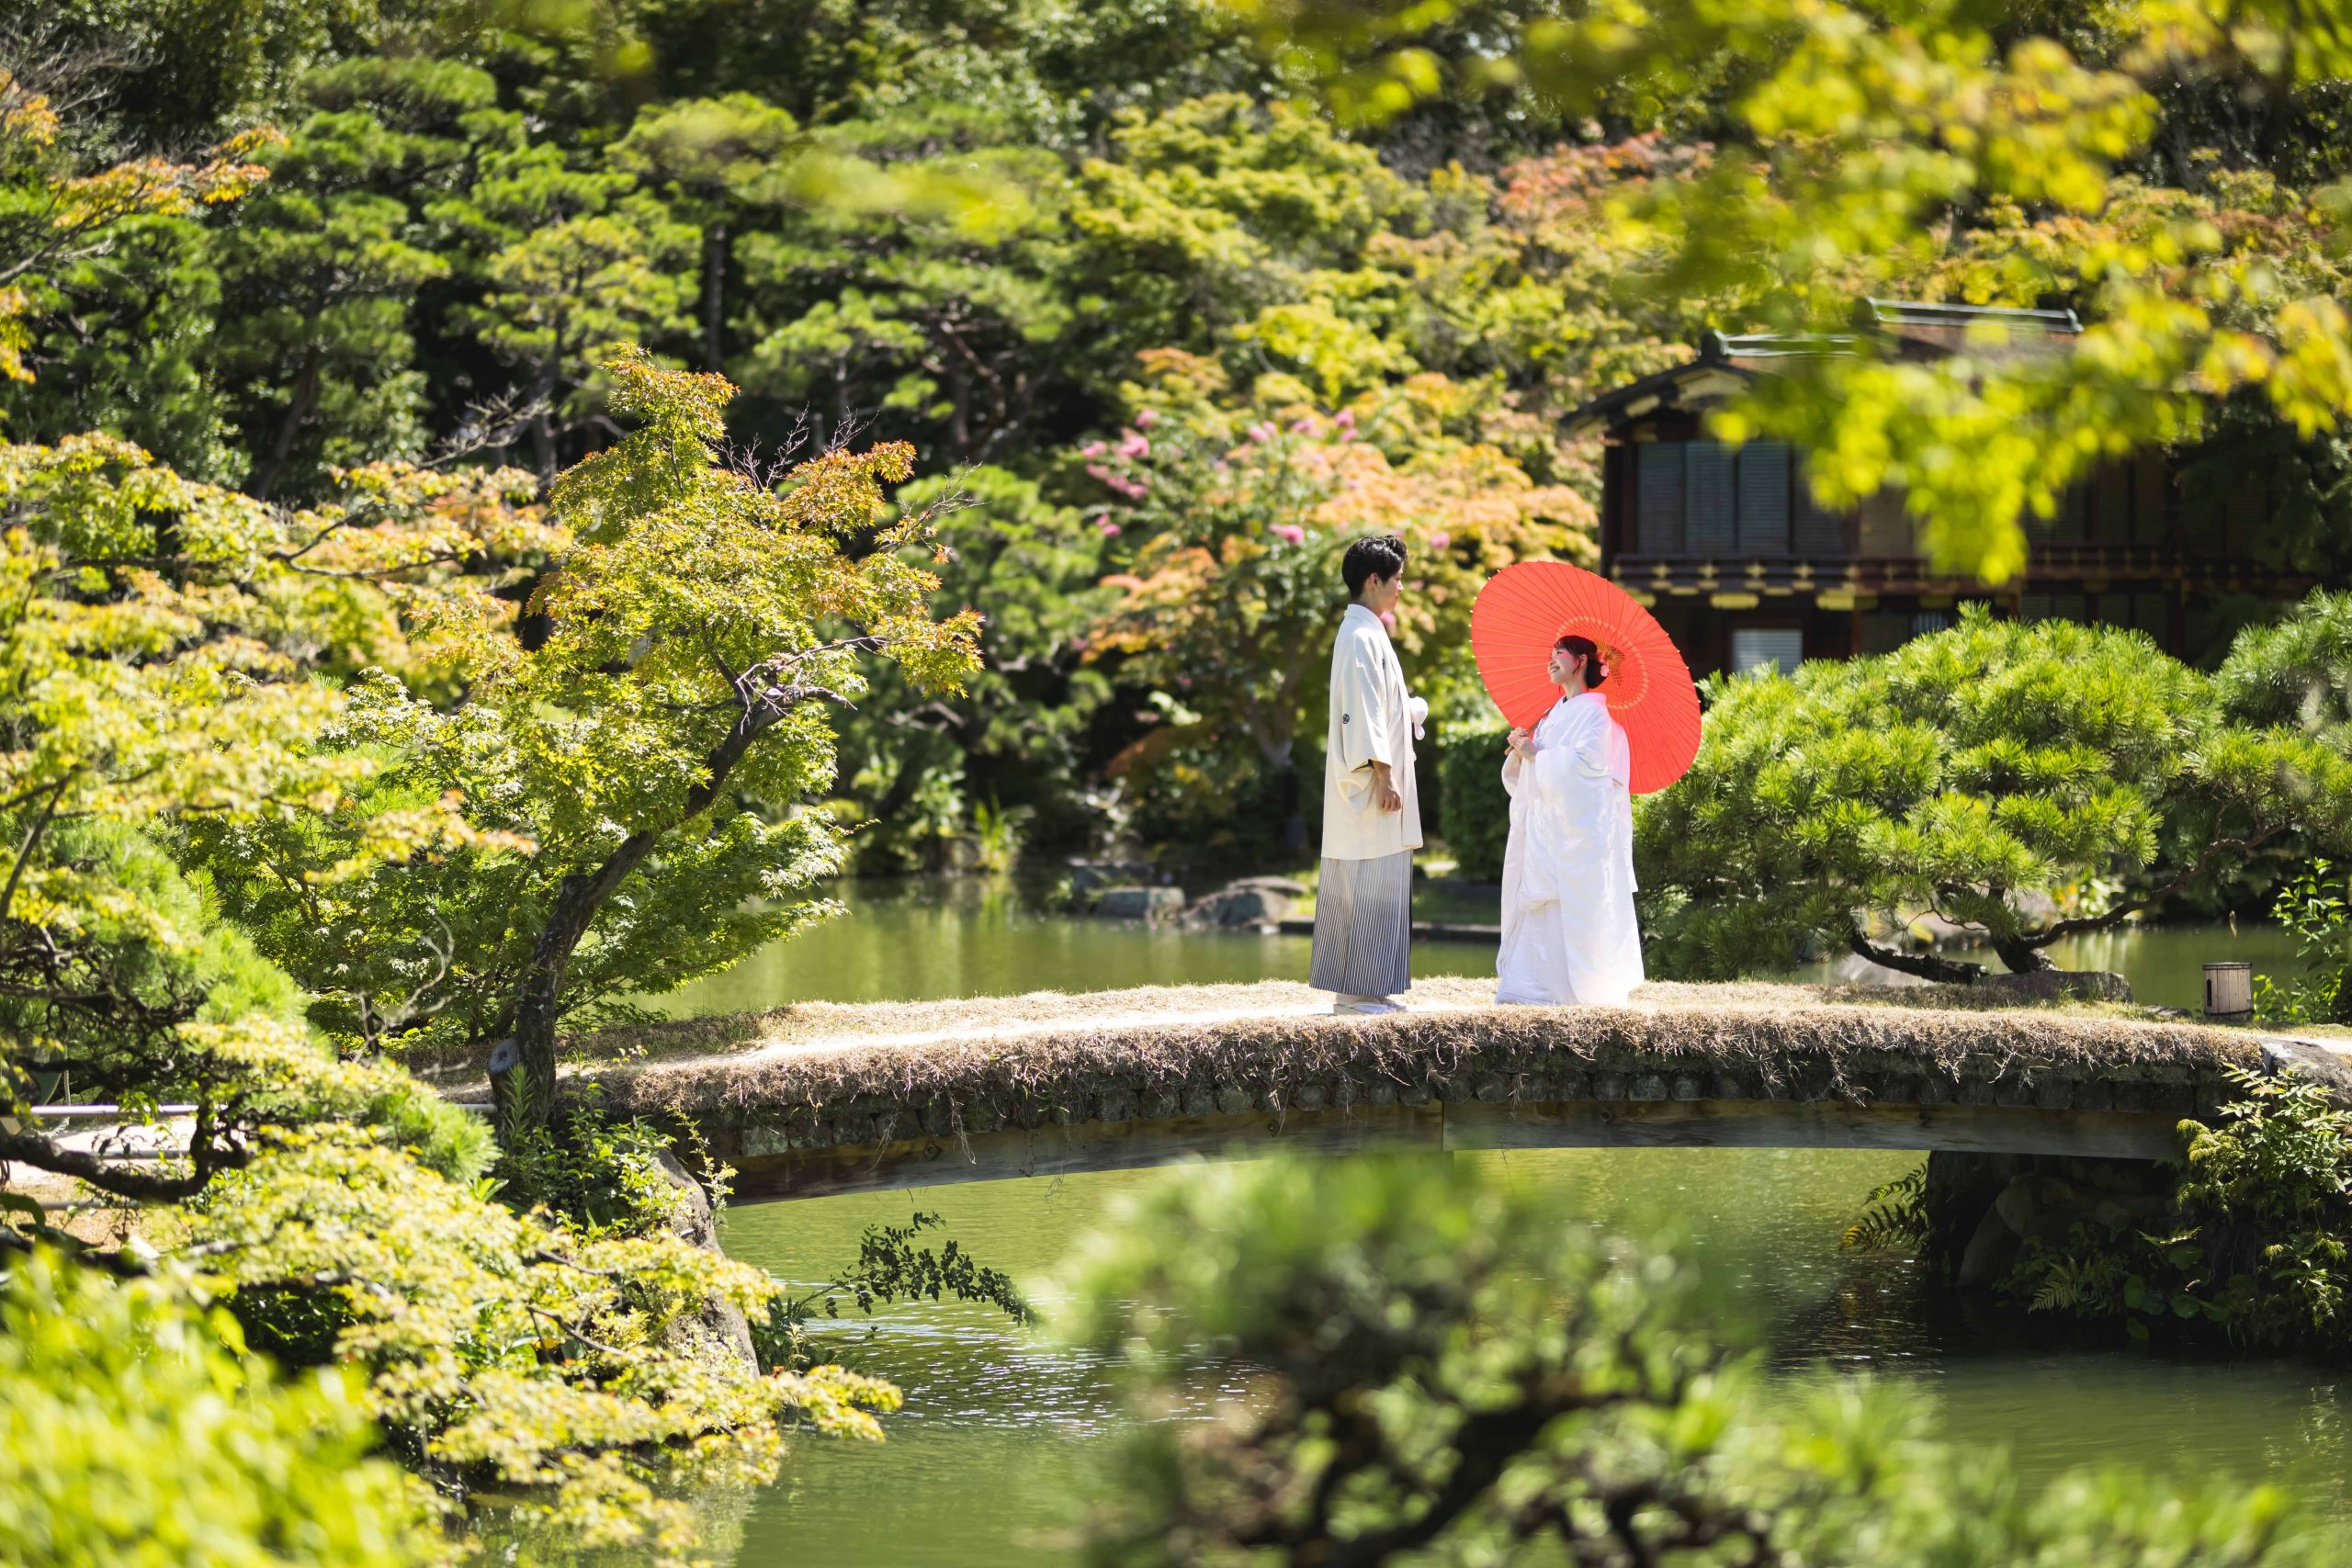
x=51 y=215
x=1866 y=145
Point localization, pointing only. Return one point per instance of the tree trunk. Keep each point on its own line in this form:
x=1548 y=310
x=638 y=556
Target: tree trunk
x=544 y=386
x=1286 y=801
x=2022 y=957
x=522 y=1081
x=959 y=416
x=1926 y=966
x=543 y=425
x=522 y=1078
x=297 y=409
x=714 y=295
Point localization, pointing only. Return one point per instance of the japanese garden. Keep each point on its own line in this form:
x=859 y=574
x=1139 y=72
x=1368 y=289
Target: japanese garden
x=767 y=799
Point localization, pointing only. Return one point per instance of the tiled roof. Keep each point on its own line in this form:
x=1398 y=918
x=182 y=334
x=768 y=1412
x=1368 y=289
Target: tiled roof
x=1907 y=329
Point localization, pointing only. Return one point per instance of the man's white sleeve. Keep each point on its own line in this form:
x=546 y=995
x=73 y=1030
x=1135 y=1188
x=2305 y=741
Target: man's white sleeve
x=1367 y=730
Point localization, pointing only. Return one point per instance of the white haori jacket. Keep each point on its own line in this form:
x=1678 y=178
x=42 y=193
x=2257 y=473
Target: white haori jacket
x=1569 y=933
x=1374 y=719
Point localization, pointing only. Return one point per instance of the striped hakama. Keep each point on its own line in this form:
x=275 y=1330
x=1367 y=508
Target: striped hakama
x=1363 y=927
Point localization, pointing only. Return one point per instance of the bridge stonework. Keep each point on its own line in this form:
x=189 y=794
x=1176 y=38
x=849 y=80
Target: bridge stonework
x=851 y=1117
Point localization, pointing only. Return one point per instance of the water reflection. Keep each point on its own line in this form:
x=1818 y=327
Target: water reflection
x=918 y=939
x=999 y=1441
x=913 y=939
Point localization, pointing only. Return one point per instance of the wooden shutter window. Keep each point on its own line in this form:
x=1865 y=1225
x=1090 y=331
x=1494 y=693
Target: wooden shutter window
x=1818 y=530
x=1764 y=498
x=1710 y=501
x=2150 y=514
x=1657 y=499
x=2073 y=516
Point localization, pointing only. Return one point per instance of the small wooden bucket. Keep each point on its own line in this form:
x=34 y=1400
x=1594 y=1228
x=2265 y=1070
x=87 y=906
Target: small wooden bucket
x=2228 y=992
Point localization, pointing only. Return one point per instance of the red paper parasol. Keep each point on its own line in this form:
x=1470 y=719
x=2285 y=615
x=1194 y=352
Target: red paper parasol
x=1524 y=609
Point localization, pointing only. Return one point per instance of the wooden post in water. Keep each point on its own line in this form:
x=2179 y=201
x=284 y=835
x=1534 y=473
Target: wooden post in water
x=2229 y=993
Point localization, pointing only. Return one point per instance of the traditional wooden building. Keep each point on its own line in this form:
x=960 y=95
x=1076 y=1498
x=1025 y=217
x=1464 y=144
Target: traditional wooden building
x=1743 y=569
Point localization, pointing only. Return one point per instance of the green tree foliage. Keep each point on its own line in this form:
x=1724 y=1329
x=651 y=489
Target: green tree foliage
x=970 y=227
x=569 y=263
x=101 y=278
x=952 y=318
x=162 y=658
x=187 y=669
x=2298 y=670
x=158 y=640
x=698 y=620
x=1993 y=775
x=1448 y=1370
x=1859 y=136
x=1240 y=516
x=964 y=222
x=575 y=1368
x=718 y=162
x=1160 y=208
x=318 y=333
x=2313 y=906
x=915 y=774
x=891 y=1265
x=135 y=1431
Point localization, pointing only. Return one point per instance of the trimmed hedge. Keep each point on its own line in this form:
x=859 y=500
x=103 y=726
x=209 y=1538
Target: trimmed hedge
x=1475 y=810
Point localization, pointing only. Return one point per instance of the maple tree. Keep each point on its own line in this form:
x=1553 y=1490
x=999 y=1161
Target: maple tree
x=1240 y=516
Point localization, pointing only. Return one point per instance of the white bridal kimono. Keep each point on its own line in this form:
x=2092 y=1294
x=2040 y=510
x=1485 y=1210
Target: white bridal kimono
x=1568 y=931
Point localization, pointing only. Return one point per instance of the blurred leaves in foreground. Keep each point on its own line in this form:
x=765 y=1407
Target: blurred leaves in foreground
x=135 y=1432
x=1441 y=1370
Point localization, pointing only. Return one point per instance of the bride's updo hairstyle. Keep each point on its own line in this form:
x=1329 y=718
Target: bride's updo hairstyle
x=1595 y=672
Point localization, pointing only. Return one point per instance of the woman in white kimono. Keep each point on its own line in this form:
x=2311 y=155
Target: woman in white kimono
x=1568 y=928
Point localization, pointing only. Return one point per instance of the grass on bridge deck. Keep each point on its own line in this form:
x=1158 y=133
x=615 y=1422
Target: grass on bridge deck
x=1157 y=1018
x=1443 y=1006
x=830 y=1096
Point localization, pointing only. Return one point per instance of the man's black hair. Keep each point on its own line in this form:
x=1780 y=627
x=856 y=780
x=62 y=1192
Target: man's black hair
x=1374 y=554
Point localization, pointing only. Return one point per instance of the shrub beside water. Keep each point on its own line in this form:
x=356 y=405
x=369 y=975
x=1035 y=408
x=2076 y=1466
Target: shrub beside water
x=1474 y=809
x=2002 y=775
x=135 y=1430
x=2254 y=1251
x=2243 y=1241
x=2313 y=905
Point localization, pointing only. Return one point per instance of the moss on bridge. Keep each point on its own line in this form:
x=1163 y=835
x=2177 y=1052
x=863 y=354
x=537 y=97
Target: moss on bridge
x=850 y=1081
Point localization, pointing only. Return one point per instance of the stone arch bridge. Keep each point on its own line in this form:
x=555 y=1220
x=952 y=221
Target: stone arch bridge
x=818 y=1099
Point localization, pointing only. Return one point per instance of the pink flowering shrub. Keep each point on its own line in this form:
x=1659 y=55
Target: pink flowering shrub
x=1223 y=530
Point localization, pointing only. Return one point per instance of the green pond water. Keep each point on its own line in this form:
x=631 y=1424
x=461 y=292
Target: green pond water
x=1003 y=1435
x=916 y=939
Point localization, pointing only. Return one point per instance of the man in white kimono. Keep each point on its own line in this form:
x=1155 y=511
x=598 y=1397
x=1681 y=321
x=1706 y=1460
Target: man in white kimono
x=1372 y=807
x=1569 y=934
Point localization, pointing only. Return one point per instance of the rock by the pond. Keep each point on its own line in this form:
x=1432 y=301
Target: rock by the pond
x=1287 y=886
x=2059 y=985
x=1991 y=1206
x=1086 y=877
x=1986 y=1259
x=1242 y=903
x=720 y=1328
x=1139 y=903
